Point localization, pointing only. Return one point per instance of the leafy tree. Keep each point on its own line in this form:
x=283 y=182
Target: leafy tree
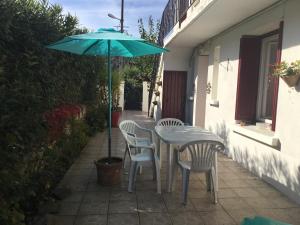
x=146 y=65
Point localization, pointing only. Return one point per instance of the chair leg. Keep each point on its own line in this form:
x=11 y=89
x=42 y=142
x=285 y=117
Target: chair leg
x=154 y=167
x=124 y=157
x=185 y=184
x=157 y=168
x=132 y=175
x=214 y=185
x=140 y=167
x=208 y=181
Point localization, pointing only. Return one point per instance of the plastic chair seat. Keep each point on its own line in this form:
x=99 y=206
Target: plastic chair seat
x=146 y=155
x=188 y=165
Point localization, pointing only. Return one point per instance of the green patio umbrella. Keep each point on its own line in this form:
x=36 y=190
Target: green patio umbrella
x=107 y=42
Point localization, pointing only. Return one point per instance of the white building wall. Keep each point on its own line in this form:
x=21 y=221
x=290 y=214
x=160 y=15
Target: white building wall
x=145 y=100
x=121 y=98
x=279 y=167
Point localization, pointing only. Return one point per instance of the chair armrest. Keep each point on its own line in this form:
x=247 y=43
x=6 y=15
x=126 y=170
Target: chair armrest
x=150 y=132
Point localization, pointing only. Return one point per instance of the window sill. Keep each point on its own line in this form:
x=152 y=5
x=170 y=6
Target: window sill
x=257 y=133
x=214 y=103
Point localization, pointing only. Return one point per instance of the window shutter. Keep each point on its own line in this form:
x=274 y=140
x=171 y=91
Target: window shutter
x=276 y=79
x=247 y=86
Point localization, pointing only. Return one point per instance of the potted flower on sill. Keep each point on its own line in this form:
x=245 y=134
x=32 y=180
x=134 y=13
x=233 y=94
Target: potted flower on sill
x=290 y=73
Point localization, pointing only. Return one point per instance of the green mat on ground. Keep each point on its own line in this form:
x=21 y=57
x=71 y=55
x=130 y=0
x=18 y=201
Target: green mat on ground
x=259 y=220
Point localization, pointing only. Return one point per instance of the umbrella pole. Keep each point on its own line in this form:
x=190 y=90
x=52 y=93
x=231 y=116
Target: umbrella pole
x=109 y=100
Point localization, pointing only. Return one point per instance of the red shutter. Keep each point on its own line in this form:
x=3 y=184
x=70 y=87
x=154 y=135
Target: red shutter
x=247 y=86
x=276 y=79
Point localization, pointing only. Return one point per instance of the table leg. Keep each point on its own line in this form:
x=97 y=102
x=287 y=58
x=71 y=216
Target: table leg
x=169 y=172
x=216 y=169
x=159 y=152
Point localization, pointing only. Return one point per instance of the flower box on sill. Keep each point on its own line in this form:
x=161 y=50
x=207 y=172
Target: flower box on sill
x=290 y=73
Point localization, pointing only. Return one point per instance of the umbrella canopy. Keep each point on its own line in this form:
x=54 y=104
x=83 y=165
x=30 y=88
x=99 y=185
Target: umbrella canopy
x=107 y=42
x=96 y=43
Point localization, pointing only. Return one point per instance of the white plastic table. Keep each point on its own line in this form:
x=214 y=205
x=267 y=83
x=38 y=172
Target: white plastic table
x=179 y=135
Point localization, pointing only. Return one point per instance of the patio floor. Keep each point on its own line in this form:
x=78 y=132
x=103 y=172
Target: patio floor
x=240 y=194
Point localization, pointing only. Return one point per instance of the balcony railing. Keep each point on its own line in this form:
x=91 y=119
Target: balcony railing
x=174 y=12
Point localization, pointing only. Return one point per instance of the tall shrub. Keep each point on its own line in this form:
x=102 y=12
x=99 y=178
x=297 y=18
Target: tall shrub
x=34 y=80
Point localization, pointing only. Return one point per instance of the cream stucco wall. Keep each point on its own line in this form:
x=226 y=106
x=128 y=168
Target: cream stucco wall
x=279 y=167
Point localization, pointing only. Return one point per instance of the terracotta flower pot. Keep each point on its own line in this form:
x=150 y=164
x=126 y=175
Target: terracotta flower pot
x=291 y=81
x=109 y=172
x=115 y=117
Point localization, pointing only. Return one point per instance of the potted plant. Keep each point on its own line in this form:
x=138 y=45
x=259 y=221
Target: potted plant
x=290 y=73
x=116 y=109
x=109 y=168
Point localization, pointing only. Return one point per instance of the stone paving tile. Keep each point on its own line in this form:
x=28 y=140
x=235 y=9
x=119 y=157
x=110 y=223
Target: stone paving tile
x=75 y=196
x=93 y=208
x=187 y=218
x=155 y=219
x=91 y=220
x=234 y=203
x=122 y=206
x=96 y=196
x=246 y=192
x=239 y=214
x=205 y=204
x=174 y=204
x=151 y=206
x=283 y=202
x=268 y=192
x=123 y=219
x=240 y=193
x=260 y=203
x=217 y=217
x=60 y=220
x=69 y=208
x=227 y=193
x=122 y=196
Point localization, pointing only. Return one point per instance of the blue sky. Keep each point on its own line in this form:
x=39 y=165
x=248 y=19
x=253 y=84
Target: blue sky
x=93 y=13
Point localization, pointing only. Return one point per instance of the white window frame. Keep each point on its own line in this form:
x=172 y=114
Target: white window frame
x=265 y=57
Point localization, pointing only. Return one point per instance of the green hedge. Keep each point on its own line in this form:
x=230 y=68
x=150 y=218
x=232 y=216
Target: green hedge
x=33 y=80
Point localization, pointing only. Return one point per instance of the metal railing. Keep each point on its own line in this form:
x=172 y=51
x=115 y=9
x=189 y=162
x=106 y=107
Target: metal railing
x=174 y=12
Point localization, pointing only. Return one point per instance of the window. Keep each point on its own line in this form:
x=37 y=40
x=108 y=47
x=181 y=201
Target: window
x=266 y=81
x=257 y=91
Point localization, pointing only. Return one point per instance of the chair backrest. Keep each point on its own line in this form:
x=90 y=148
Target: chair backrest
x=200 y=154
x=170 y=122
x=128 y=126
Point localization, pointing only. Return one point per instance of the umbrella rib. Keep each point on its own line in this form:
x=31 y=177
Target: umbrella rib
x=155 y=45
x=125 y=48
x=88 y=48
x=66 y=41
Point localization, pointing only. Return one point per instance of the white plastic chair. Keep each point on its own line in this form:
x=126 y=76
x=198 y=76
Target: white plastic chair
x=131 y=127
x=199 y=156
x=170 y=122
x=139 y=159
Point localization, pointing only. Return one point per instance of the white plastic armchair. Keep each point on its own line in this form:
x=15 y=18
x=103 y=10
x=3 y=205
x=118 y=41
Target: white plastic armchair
x=199 y=156
x=141 y=158
x=131 y=127
x=170 y=122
